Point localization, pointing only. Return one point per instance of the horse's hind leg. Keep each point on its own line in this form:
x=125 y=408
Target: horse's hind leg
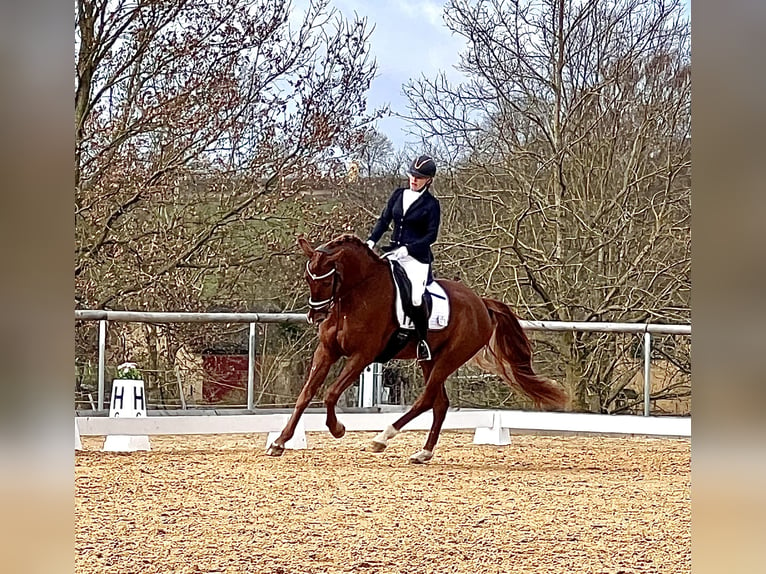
x=434 y=396
x=320 y=366
x=440 y=406
x=424 y=402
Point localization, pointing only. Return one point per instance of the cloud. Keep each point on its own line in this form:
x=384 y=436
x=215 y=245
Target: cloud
x=409 y=40
x=420 y=12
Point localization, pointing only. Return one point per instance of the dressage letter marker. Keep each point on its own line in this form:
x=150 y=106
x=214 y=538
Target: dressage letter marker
x=127 y=401
x=298 y=442
x=118 y=393
x=496 y=435
x=138 y=399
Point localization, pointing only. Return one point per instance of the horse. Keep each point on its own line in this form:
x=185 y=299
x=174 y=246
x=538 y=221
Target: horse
x=352 y=298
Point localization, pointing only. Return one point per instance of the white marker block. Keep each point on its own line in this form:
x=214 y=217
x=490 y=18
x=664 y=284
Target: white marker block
x=496 y=435
x=298 y=442
x=128 y=400
x=77 y=441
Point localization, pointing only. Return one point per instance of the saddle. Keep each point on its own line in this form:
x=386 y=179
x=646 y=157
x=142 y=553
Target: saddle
x=436 y=302
x=404 y=286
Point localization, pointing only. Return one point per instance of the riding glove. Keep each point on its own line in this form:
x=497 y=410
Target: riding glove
x=400 y=253
x=370 y=243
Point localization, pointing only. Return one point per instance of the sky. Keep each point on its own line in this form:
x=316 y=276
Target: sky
x=409 y=39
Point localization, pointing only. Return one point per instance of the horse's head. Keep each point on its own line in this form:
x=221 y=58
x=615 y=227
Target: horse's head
x=344 y=258
x=328 y=266
x=323 y=276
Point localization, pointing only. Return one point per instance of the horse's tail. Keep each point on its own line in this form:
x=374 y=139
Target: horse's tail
x=508 y=354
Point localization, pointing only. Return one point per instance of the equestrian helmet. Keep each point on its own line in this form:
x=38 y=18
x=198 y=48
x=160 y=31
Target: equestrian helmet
x=423 y=166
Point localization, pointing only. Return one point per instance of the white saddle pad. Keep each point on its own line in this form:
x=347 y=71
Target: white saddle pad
x=439 y=317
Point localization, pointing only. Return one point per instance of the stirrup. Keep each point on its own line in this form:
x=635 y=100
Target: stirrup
x=424 y=352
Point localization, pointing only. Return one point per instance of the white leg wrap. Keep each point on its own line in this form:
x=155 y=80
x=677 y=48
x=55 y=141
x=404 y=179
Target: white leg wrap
x=421 y=457
x=385 y=434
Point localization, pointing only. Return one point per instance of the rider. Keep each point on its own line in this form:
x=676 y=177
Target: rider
x=416 y=215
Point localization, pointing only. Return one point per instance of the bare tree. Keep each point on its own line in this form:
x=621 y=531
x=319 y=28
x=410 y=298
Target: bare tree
x=193 y=121
x=375 y=153
x=571 y=141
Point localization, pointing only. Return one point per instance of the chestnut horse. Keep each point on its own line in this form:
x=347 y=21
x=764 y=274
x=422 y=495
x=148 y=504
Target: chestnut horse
x=352 y=302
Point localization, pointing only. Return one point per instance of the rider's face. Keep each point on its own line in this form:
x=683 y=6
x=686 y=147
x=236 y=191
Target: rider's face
x=417 y=183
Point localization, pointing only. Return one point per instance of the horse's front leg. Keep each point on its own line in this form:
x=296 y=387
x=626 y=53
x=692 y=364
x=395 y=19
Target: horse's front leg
x=347 y=377
x=320 y=365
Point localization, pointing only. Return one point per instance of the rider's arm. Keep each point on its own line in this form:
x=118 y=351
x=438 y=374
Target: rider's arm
x=384 y=220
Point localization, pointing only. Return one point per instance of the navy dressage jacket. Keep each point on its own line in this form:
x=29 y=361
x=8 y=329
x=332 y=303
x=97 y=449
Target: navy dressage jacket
x=416 y=230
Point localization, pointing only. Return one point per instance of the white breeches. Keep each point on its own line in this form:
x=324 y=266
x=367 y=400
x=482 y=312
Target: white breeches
x=418 y=275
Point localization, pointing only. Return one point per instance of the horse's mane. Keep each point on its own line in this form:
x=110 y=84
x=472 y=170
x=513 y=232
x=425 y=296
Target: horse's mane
x=343 y=240
x=349 y=240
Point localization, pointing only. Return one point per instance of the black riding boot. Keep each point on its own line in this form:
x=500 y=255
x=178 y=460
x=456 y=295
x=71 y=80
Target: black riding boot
x=420 y=321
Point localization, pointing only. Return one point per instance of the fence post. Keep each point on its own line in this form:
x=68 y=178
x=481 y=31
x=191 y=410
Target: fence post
x=101 y=359
x=647 y=372
x=251 y=367
x=370 y=385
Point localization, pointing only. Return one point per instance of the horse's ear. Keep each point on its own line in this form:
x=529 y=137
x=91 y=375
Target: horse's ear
x=305 y=246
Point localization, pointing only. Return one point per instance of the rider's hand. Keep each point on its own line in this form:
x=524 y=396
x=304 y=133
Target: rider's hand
x=370 y=243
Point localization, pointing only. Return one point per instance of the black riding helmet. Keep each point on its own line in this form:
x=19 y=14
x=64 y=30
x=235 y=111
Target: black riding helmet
x=423 y=166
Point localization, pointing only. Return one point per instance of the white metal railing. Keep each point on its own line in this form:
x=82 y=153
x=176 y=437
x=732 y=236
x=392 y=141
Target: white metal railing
x=103 y=317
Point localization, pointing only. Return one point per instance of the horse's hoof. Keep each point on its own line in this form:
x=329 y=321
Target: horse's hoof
x=338 y=431
x=275 y=450
x=421 y=457
x=376 y=446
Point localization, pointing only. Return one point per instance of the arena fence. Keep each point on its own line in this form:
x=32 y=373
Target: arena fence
x=455 y=420
x=104 y=317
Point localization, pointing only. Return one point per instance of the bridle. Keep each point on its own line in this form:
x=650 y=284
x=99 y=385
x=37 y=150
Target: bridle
x=321 y=305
